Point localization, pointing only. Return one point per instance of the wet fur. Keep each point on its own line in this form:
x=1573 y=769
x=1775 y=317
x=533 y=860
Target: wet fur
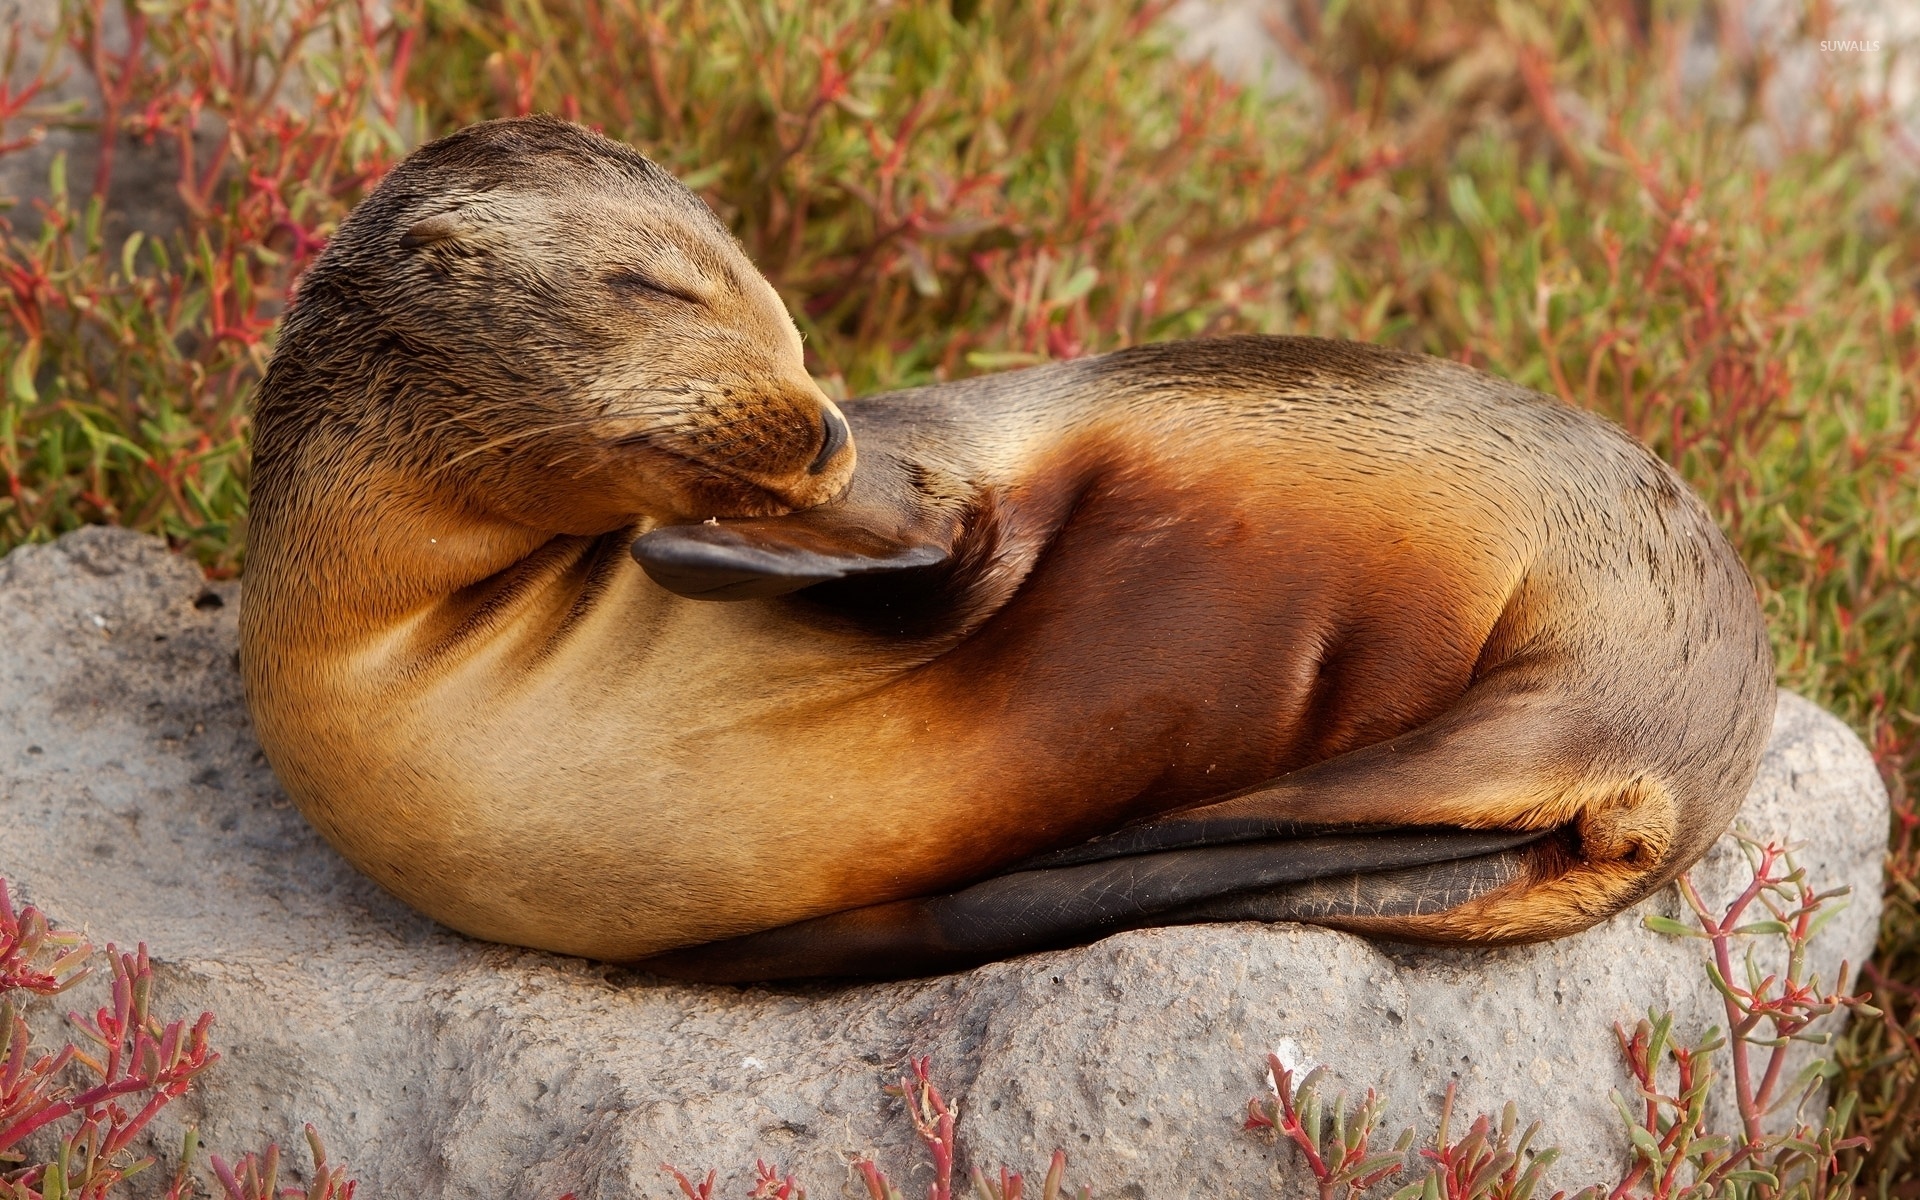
x=1260 y=576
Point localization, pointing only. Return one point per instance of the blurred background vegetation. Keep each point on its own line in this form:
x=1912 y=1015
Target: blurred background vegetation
x=1673 y=213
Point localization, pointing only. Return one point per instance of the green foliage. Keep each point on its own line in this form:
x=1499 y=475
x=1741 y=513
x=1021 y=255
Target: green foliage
x=131 y=359
x=934 y=194
x=1551 y=191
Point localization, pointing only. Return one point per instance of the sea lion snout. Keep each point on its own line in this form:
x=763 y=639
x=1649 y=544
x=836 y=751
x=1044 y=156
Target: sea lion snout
x=737 y=450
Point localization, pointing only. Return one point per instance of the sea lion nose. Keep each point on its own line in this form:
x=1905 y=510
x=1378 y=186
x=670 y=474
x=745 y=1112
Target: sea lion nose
x=833 y=438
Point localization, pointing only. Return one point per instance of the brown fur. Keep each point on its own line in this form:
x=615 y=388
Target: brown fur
x=1262 y=576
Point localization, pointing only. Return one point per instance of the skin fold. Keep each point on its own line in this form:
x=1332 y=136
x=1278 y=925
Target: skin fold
x=577 y=616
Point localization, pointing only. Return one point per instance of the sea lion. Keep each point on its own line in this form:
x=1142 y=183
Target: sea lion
x=1251 y=627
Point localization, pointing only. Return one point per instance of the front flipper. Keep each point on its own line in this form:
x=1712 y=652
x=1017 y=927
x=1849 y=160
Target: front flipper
x=758 y=557
x=1390 y=873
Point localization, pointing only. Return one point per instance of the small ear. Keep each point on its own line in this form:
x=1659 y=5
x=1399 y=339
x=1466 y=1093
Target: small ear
x=771 y=556
x=436 y=228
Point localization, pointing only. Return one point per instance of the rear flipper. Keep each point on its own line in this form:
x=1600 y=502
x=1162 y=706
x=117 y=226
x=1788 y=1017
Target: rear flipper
x=1385 y=874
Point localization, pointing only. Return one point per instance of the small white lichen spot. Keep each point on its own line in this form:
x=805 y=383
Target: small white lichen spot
x=1292 y=1057
x=751 y=1063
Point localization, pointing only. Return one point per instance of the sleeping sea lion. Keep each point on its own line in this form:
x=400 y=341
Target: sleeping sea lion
x=1247 y=628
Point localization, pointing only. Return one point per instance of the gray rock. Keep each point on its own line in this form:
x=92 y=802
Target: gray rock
x=134 y=802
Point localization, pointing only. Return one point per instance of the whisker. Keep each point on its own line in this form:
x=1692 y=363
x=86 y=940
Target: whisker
x=680 y=391
x=517 y=435
x=639 y=435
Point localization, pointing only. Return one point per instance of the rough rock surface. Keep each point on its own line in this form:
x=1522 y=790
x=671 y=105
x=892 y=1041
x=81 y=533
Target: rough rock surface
x=134 y=802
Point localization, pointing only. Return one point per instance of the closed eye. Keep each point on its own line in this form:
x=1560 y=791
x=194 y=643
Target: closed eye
x=634 y=283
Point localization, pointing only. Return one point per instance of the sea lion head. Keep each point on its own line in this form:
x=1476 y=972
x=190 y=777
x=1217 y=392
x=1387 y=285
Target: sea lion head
x=546 y=322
